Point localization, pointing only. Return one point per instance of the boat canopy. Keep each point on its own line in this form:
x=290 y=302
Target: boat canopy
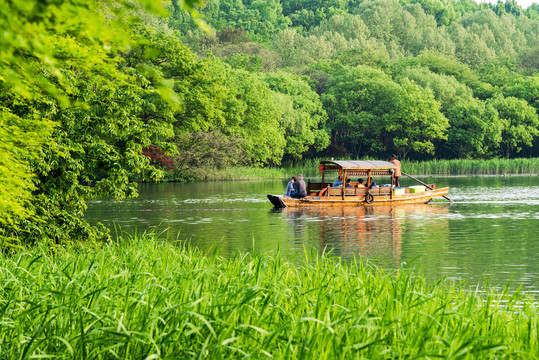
x=357 y=167
x=359 y=164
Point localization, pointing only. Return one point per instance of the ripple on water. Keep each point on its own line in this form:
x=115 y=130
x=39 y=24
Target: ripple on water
x=515 y=194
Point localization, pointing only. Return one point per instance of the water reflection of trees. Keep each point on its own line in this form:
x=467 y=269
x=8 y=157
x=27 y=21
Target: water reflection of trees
x=372 y=232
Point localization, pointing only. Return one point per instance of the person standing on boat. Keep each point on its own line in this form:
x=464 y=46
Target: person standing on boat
x=397 y=173
x=301 y=187
x=290 y=187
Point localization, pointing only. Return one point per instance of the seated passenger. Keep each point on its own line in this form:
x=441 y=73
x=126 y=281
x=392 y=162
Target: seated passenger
x=348 y=185
x=338 y=182
x=360 y=183
x=300 y=187
x=290 y=187
x=373 y=185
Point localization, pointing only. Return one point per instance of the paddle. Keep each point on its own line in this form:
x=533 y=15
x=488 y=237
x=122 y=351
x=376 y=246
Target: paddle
x=422 y=183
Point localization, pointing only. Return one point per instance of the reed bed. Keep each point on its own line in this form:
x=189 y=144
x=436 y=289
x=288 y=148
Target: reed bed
x=473 y=167
x=142 y=298
x=309 y=168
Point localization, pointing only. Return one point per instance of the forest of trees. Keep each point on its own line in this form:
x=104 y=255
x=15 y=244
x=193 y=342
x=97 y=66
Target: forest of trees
x=421 y=78
x=96 y=95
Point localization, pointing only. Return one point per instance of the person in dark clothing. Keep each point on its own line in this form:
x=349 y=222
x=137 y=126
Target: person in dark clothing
x=348 y=185
x=300 y=187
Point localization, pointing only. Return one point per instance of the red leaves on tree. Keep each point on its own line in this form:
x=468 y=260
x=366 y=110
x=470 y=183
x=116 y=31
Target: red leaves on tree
x=157 y=156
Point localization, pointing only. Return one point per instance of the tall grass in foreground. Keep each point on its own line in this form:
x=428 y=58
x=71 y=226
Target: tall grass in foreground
x=146 y=299
x=309 y=168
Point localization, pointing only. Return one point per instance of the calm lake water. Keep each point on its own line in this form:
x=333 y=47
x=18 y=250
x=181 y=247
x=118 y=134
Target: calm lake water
x=491 y=231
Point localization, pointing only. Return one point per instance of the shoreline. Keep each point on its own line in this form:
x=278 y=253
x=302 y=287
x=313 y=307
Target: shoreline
x=450 y=168
x=286 y=178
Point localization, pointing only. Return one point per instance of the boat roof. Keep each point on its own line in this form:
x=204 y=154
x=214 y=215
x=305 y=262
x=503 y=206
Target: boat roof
x=360 y=164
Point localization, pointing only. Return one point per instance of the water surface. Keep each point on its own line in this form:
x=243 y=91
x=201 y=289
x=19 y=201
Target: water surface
x=490 y=231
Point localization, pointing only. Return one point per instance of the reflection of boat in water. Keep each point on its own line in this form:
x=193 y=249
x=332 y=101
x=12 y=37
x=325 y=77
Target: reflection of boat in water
x=322 y=194
x=360 y=211
x=374 y=232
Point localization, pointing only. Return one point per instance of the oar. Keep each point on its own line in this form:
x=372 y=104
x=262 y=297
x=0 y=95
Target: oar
x=422 y=183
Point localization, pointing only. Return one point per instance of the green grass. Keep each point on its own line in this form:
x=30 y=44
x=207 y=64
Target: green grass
x=309 y=168
x=147 y=299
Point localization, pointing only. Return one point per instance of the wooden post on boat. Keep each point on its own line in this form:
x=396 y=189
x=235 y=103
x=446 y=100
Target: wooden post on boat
x=422 y=183
x=391 y=188
x=343 y=184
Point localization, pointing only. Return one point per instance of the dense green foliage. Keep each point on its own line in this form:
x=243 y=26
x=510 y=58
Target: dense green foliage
x=71 y=117
x=146 y=299
x=443 y=78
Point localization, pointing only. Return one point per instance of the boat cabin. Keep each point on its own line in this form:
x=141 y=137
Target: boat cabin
x=353 y=170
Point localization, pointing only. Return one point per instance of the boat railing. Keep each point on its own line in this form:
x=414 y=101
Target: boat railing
x=337 y=191
x=355 y=191
x=380 y=191
x=326 y=189
x=317 y=186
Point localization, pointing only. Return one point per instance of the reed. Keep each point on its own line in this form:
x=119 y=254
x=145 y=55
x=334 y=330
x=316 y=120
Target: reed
x=142 y=298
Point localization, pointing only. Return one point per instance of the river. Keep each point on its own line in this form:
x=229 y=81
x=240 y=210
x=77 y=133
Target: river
x=490 y=231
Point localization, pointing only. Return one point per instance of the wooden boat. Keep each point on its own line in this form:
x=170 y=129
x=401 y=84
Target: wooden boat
x=323 y=194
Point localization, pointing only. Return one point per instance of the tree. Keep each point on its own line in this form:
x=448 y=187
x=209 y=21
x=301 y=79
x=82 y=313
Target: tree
x=249 y=56
x=20 y=137
x=357 y=101
x=259 y=19
x=520 y=124
x=93 y=150
x=28 y=96
x=350 y=26
x=525 y=89
x=444 y=65
x=447 y=90
x=303 y=116
x=443 y=11
x=252 y=115
x=369 y=112
x=202 y=154
x=416 y=121
x=471 y=48
x=476 y=130
x=498 y=72
x=528 y=58
x=379 y=16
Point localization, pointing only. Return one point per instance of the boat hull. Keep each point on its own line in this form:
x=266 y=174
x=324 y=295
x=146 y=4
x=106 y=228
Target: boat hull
x=280 y=201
